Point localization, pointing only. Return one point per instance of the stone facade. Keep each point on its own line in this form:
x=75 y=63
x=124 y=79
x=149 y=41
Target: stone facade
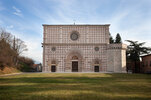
x=81 y=48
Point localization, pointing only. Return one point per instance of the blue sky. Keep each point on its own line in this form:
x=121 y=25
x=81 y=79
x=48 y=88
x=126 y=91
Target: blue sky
x=24 y=18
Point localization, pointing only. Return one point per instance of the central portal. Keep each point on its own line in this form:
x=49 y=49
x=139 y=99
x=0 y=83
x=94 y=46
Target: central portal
x=74 y=66
x=96 y=68
x=53 y=68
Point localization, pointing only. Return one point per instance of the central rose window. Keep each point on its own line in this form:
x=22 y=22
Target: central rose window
x=74 y=35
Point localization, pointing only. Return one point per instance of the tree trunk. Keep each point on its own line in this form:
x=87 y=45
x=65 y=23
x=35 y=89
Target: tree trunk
x=135 y=66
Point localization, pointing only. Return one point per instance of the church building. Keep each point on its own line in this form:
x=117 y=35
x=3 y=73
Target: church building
x=81 y=48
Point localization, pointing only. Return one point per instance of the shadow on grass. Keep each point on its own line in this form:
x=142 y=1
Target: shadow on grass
x=76 y=88
x=57 y=79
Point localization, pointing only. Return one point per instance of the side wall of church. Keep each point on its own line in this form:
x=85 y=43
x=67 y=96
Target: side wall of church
x=116 y=58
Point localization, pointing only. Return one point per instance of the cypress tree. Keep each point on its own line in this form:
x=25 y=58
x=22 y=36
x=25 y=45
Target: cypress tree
x=118 y=38
x=111 y=40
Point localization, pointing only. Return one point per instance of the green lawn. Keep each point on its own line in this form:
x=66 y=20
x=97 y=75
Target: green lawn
x=76 y=86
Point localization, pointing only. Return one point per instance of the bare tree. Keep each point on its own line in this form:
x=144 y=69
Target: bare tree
x=10 y=48
x=19 y=47
x=5 y=36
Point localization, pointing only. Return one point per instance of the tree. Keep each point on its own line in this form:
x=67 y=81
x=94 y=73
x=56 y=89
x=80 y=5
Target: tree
x=111 y=40
x=19 y=47
x=135 y=49
x=10 y=49
x=5 y=36
x=26 y=64
x=6 y=54
x=118 y=38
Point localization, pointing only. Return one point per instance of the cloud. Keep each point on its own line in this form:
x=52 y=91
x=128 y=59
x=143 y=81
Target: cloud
x=130 y=18
x=17 y=11
x=1 y=22
x=34 y=49
x=10 y=27
x=126 y=17
x=132 y=22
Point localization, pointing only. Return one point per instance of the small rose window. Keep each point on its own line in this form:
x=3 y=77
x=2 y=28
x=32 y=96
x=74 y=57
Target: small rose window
x=96 y=48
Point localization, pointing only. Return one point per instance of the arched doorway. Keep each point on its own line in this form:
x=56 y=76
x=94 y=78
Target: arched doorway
x=53 y=66
x=74 y=64
x=96 y=66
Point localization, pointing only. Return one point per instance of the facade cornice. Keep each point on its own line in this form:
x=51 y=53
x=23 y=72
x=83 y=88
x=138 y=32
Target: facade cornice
x=75 y=24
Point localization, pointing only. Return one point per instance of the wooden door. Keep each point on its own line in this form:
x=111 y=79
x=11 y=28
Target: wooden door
x=75 y=66
x=53 y=68
x=96 y=68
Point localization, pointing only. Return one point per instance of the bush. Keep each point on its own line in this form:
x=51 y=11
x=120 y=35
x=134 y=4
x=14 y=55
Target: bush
x=25 y=64
x=8 y=70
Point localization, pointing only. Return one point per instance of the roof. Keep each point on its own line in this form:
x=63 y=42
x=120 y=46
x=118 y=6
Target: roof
x=75 y=24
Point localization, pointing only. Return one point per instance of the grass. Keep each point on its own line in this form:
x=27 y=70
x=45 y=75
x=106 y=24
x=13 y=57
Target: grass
x=76 y=86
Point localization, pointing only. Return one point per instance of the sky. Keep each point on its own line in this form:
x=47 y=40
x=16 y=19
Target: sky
x=24 y=18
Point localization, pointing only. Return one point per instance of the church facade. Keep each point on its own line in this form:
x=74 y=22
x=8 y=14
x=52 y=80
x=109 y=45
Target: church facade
x=81 y=48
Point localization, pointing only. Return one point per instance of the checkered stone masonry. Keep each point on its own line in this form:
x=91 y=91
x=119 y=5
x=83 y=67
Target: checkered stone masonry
x=58 y=47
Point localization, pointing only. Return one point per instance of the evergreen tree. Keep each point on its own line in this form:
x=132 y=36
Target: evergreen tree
x=135 y=49
x=111 y=40
x=118 y=38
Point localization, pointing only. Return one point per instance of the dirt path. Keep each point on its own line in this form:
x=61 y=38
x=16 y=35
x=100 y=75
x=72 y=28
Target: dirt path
x=12 y=74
